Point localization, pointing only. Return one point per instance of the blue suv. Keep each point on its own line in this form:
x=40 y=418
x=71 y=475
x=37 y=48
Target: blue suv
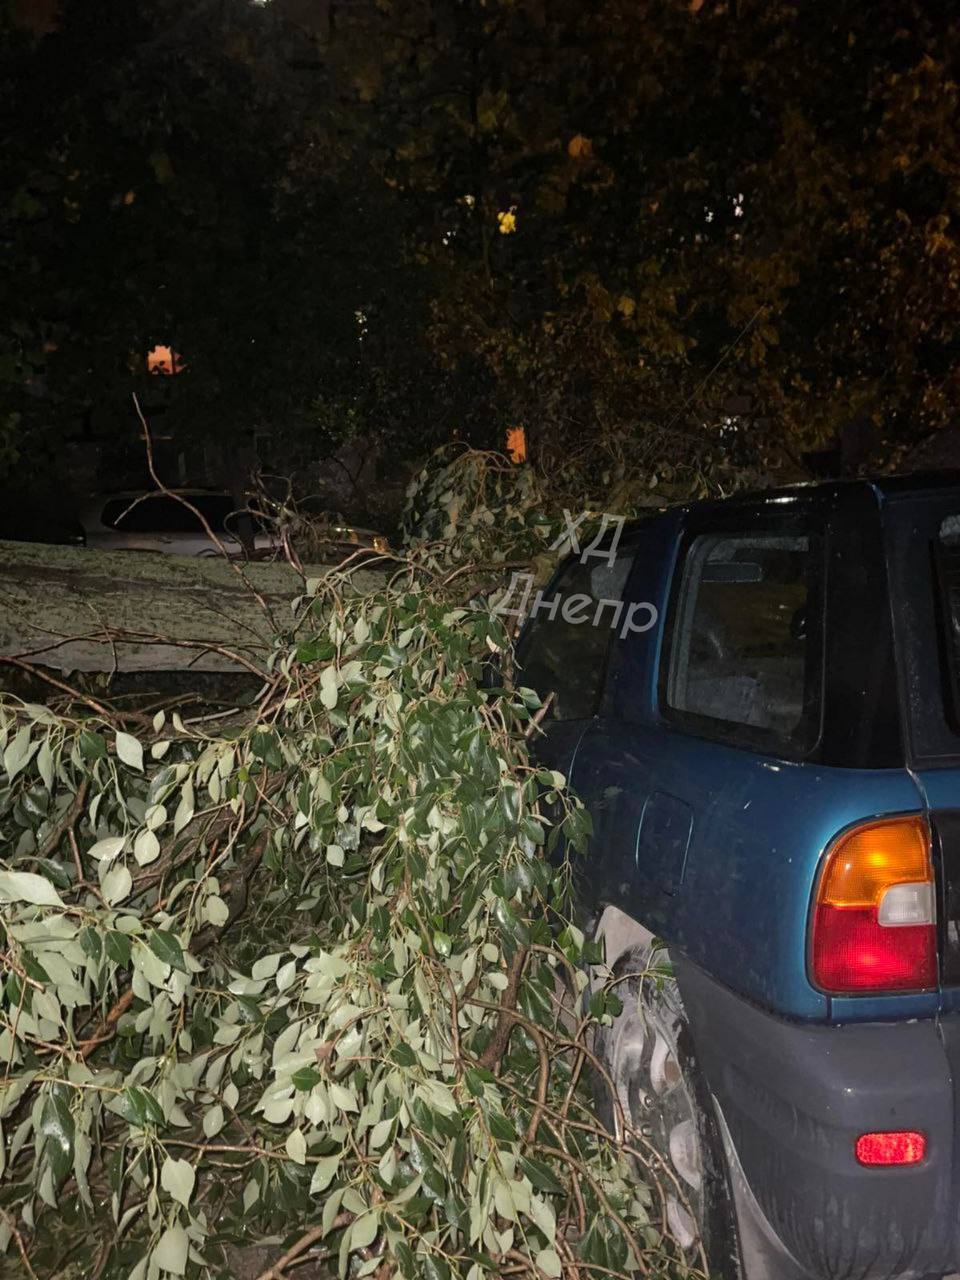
x=768 y=741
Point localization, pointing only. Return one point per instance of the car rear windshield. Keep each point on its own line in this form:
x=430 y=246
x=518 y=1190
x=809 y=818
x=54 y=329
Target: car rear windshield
x=161 y=514
x=744 y=653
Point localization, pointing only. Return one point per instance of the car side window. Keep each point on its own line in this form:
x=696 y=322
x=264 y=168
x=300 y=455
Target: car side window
x=744 y=658
x=563 y=649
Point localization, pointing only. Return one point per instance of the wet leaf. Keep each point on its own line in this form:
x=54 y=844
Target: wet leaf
x=166 y=947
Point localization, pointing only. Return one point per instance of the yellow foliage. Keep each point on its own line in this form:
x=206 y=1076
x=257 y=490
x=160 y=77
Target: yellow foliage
x=517 y=444
x=507 y=222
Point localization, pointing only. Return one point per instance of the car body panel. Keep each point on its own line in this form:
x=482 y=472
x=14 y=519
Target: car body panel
x=99 y=533
x=756 y=897
x=743 y=916
x=714 y=845
x=794 y=1097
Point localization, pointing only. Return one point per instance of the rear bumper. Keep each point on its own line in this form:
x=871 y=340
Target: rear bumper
x=794 y=1098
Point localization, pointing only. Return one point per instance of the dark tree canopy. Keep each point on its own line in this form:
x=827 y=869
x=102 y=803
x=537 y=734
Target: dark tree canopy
x=171 y=188
x=615 y=197
x=610 y=222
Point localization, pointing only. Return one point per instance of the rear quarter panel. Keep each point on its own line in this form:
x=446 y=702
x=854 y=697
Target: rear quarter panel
x=740 y=901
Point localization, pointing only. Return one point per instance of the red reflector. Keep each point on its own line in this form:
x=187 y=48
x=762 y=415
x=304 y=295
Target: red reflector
x=852 y=951
x=901 y=1146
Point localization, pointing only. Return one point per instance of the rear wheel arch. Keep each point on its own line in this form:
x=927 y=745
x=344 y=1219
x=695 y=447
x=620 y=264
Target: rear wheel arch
x=641 y=1072
x=620 y=933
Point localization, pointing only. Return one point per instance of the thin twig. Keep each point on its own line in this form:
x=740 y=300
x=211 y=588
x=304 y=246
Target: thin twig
x=537 y=718
x=497 y=1047
x=52 y=842
x=108 y=1026
x=306 y=1240
x=18 y=1239
x=172 y=493
x=62 y=685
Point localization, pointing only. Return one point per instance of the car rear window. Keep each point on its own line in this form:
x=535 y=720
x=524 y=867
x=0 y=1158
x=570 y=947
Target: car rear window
x=744 y=653
x=161 y=514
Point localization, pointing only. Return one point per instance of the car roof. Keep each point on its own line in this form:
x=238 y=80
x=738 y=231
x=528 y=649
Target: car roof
x=911 y=484
x=884 y=487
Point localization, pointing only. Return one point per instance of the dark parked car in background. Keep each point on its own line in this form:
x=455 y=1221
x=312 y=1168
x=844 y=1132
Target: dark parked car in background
x=773 y=774
x=144 y=520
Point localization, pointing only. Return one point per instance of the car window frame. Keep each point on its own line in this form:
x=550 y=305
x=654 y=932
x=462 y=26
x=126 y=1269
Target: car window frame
x=751 y=738
x=911 y=525
x=628 y=548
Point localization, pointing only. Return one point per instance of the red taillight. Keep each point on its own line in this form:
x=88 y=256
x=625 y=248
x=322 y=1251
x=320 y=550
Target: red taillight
x=873 y=926
x=900 y=1146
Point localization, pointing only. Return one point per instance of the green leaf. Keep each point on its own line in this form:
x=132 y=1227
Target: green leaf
x=266 y=966
x=24 y=886
x=296 y=1146
x=34 y=968
x=54 y=872
x=533 y=830
x=146 y=848
x=93 y=746
x=578 y=827
x=404 y=1256
x=166 y=947
x=45 y=764
x=106 y=850
x=510 y=802
x=117 y=946
x=216 y=911
x=473 y=1082
x=501 y=1127
x=57 y=1127
x=403 y=1055
x=434 y=1267
x=364 y=1231
x=130 y=751
x=305 y=1078
x=315 y=651
x=265 y=747
x=328 y=687
x=140 y=1107
x=177 y=1177
x=90 y=942
x=324 y=1172
x=117 y=883
x=548 y=1261
x=249 y=1010
x=17 y=755
x=541 y=1175
x=171 y=1251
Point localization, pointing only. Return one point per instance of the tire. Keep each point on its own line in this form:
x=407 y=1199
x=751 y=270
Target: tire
x=648 y=1054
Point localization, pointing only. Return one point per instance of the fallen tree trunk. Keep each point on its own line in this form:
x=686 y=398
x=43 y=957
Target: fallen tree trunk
x=75 y=609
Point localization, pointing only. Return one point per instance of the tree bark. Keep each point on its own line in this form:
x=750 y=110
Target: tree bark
x=74 y=609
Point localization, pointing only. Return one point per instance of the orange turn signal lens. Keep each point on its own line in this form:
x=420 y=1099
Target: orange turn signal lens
x=866 y=861
x=873 y=926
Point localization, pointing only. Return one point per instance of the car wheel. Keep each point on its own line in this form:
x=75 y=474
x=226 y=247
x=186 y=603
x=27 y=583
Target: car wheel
x=648 y=1055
